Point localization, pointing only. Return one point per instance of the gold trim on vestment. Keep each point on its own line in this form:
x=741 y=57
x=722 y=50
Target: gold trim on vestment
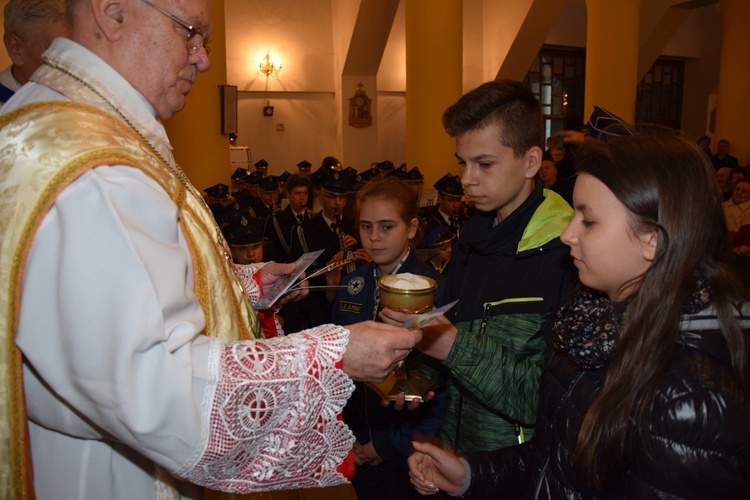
x=41 y=153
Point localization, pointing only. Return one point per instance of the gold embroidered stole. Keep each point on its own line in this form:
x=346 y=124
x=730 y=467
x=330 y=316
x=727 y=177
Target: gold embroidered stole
x=43 y=148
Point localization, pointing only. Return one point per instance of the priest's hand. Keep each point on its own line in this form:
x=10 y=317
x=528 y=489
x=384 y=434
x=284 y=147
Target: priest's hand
x=375 y=349
x=438 y=336
x=273 y=271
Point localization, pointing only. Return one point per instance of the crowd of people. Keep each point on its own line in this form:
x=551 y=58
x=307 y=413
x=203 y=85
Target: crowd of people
x=734 y=184
x=508 y=222
x=598 y=347
x=279 y=218
x=256 y=195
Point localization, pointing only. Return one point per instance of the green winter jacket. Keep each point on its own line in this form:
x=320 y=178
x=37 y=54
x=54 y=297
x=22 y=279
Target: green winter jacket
x=509 y=278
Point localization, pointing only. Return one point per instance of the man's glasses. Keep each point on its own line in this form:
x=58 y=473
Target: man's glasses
x=195 y=38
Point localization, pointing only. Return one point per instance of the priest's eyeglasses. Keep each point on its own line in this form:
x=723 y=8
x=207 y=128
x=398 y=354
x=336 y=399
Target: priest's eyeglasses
x=195 y=39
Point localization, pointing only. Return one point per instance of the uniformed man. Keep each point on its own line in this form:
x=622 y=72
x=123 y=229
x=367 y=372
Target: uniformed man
x=331 y=231
x=239 y=184
x=303 y=168
x=415 y=181
x=282 y=226
x=436 y=249
x=448 y=213
x=253 y=185
x=261 y=166
x=217 y=197
x=267 y=203
x=385 y=167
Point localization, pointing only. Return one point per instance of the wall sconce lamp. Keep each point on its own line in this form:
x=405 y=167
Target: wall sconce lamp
x=267 y=67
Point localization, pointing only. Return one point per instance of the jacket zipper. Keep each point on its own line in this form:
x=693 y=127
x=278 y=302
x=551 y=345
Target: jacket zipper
x=490 y=305
x=480 y=334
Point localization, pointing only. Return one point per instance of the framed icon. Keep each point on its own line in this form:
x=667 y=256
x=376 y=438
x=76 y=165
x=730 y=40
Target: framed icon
x=360 y=109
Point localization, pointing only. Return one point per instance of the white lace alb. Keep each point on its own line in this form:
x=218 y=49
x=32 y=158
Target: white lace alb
x=274 y=415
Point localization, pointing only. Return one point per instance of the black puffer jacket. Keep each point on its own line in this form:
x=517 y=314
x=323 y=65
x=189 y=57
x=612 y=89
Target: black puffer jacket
x=698 y=435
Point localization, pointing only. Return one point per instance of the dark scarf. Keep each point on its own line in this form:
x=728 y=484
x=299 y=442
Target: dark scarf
x=588 y=326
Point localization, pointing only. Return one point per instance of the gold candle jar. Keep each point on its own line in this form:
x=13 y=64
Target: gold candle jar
x=408 y=301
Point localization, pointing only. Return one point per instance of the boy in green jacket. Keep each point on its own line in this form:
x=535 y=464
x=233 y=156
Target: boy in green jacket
x=509 y=270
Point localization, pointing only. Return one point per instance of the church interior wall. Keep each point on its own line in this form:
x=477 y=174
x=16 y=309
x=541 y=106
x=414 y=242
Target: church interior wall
x=311 y=38
x=313 y=126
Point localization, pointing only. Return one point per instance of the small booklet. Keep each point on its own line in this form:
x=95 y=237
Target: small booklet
x=285 y=282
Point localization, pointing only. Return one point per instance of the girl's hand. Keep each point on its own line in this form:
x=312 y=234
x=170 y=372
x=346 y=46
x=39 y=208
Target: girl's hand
x=400 y=402
x=432 y=469
x=365 y=453
x=362 y=256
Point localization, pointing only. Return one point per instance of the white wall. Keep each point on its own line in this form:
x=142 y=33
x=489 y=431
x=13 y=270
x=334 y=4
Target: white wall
x=303 y=93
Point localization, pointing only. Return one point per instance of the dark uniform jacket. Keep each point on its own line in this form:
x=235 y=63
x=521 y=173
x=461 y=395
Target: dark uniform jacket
x=263 y=213
x=432 y=222
x=357 y=303
x=315 y=234
x=280 y=230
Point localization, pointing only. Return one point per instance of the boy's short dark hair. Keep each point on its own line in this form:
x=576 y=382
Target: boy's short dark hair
x=509 y=105
x=296 y=180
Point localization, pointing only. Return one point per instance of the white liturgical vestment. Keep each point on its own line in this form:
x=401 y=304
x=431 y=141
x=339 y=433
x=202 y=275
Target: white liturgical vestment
x=118 y=376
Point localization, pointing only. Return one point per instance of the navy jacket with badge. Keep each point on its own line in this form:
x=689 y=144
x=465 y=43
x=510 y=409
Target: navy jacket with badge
x=392 y=432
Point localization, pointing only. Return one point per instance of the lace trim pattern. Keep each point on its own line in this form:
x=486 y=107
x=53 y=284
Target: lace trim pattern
x=273 y=418
x=245 y=273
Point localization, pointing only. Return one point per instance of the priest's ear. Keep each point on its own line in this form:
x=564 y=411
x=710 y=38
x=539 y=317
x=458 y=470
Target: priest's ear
x=110 y=17
x=15 y=48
